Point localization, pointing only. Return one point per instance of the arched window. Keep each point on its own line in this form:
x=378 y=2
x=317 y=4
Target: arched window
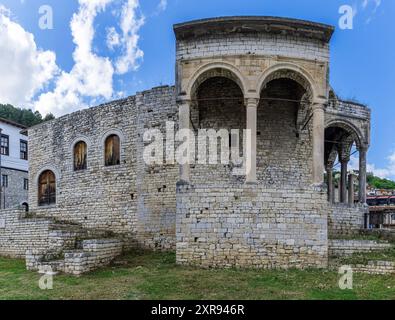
x=46 y=188
x=112 y=150
x=80 y=153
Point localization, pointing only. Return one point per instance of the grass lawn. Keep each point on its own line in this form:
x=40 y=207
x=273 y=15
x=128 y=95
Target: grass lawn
x=147 y=275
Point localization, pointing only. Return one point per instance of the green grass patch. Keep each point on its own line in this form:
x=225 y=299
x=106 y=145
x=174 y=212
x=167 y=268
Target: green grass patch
x=149 y=275
x=370 y=237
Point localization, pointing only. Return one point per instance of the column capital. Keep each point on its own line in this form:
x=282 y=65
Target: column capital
x=251 y=102
x=181 y=101
x=329 y=168
x=344 y=159
x=319 y=104
x=362 y=148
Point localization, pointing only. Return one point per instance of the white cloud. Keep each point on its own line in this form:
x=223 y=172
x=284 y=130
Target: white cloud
x=91 y=74
x=112 y=38
x=387 y=172
x=162 y=5
x=91 y=77
x=130 y=25
x=25 y=69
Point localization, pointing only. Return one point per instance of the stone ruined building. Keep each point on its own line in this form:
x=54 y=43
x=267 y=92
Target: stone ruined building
x=88 y=179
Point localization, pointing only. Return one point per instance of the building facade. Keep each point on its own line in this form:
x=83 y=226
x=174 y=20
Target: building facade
x=14 y=165
x=272 y=209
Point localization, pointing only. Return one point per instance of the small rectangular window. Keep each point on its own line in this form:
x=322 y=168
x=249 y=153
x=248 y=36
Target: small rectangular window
x=4 y=180
x=5 y=145
x=25 y=184
x=23 y=148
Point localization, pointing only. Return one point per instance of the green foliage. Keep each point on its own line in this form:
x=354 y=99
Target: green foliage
x=155 y=275
x=23 y=116
x=379 y=183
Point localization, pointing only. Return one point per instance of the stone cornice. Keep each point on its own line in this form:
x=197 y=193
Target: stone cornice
x=253 y=24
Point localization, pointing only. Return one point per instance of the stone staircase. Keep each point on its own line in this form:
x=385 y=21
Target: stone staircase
x=73 y=249
x=363 y=255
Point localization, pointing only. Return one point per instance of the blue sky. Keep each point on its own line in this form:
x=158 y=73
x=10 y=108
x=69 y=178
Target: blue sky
x=62 y=74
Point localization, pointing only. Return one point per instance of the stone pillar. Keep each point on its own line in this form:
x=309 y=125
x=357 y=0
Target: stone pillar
x=362 y=174
x=251 y=105
x=343 y=180
x=351 y=179
x=318 y=142
x=331 y=191
x=184 y=123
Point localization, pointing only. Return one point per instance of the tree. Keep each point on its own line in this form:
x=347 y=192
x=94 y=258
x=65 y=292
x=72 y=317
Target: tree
x=379 y=183
x=23 y=116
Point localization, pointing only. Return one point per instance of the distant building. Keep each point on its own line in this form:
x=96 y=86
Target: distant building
x=381 y=211
x=13 y=164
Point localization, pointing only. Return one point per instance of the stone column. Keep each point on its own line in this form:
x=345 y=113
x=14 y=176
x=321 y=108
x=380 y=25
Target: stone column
x=343 y=180
x=351 y=179
x=331 y=193
x=251 y=105
x=362 y=174
x=184 y=123
x=318 y=141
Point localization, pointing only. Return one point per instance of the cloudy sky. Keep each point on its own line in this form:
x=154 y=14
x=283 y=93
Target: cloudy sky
x=99 y=50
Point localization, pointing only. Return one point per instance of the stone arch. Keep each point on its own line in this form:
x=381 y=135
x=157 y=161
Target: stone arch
x=211 y=70
x=49 y=167
x=355 y=133
x=78 y=139
x=288 y=71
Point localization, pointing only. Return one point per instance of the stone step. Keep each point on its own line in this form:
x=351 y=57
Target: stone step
x=91 y=254
x=51 y=267
x=347 y=247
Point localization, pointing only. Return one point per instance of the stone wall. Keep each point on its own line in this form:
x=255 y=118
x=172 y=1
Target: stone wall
x=135 y=201
x=252 y=44
x=17 y=233
x=14 y=194
x=348 y=247
x=344 y=219
x=95 y=253
x=376 y=267
x=251 y=226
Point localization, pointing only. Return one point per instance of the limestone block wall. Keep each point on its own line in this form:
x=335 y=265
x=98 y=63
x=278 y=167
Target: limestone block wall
x=17 y=234
x=251 y=226
x=376 y=267
x=344 y=219
x=349 y=247
x=14 y=194
x=253 y=44
x=133 y=200
x=155 y=187
x=95 y=253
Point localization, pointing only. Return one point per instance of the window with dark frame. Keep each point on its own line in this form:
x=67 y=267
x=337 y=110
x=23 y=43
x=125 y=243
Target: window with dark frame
x=80 y=154
x=4 y=181
x=5 y=145
x=112 y=150
x=23 y=145
x=25 y=184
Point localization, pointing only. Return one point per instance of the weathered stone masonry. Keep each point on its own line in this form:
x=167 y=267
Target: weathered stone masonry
x=269 y=75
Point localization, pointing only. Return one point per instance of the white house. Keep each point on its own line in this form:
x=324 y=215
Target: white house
x=14 y=164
